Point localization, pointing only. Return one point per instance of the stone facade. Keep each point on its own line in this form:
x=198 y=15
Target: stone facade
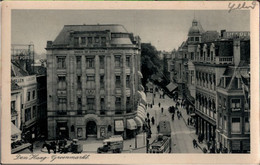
x=93 y=77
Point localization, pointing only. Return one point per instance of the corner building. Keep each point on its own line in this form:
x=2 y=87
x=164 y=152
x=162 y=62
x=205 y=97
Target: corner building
x=93 y=77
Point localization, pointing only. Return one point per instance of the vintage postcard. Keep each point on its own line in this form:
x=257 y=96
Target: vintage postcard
x=130 y=82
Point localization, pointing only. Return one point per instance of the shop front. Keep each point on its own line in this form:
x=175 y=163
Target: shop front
x=131 y=128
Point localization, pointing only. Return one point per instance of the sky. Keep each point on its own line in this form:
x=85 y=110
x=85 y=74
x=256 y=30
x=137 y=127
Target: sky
x=165 y=29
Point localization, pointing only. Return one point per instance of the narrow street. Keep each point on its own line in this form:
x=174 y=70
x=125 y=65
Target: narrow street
x=182 y=135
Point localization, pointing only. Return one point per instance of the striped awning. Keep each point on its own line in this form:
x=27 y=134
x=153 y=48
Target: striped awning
x=142 y=97
x=138 y=121
x=15 y=130
x=131 y=124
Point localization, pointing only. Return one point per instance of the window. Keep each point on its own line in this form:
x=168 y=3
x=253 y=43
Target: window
x=102 y=81
x=235 y=104
x=128 y=61
x=33 y=95
x=28 y=96
x=62 y=104
x=101 y=62
x=34 y=111
x=128 y=104
x=61 y=62
x=79 y=103
x=211 y=55
x=89 y=40
x=235 y=127
x=225 y=123
x=117 y=61
x=191 y=39
x=79 y=82
x=28 y=114
x=197 y=39
x=247 y=125
x=128 y=81
x=103 y=40
x=13 y=105
x=78 y=61
x=90 y=78
x=90 y=62
x=76 y=41
x=90 y=103
x=192 y=55
x=62 y=82
x=96 y=39
x=118 y=82
x=102 y=105
x=220 y=120
x=118 y=103
x=83 y=40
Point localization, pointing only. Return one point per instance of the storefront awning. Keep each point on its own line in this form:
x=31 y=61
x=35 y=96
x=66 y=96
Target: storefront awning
x=138 y=121
x=119 y=125
x=15 y=130
x=131 y=124
x=171 y=87
x=142 y=97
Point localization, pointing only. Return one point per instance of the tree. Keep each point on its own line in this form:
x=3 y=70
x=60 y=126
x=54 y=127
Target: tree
x=151 y=63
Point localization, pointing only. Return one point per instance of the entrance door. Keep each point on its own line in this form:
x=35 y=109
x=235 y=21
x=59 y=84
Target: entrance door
x=62 y=130
x=91 y=129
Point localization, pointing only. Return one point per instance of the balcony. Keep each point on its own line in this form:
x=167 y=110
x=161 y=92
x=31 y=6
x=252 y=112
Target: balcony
x=224 y=60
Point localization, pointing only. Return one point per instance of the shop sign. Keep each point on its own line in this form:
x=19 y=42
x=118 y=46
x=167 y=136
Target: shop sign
x=236 y=34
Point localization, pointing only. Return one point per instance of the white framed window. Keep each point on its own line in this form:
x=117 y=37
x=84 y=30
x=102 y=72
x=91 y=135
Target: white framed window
x=61 y=61
x=117 y=61
x=90 y=62
x=235 y=125
x=118 y=81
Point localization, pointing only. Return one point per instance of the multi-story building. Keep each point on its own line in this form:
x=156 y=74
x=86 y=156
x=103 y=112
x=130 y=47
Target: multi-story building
x=93 y=78
x=233 y=128
x=28 y=84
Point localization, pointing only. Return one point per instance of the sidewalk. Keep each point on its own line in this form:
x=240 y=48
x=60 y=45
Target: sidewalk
x=185 y=116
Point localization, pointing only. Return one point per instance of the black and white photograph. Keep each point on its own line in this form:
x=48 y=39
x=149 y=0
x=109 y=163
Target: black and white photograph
x=130 y=81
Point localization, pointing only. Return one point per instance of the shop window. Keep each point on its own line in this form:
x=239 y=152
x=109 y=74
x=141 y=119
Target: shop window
x=235 y=127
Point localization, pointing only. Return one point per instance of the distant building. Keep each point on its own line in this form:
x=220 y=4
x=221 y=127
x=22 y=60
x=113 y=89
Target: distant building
x=28 y=87
x=93 y=83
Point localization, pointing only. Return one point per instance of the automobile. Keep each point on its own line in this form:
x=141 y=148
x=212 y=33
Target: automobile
x=112 y=144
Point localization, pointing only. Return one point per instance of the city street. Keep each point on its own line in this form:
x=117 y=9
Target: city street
x=182 y=135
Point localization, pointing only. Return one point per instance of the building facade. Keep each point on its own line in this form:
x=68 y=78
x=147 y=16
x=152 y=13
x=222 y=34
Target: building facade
x=93 y=82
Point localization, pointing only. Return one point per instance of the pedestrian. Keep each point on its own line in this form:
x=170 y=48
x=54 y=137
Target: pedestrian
x=159 y=104
x=162 y=109
x=153 y=120
x=130 y=149
x=195 y=145
x=208 y=144
x=188 y=121
x=148 y=121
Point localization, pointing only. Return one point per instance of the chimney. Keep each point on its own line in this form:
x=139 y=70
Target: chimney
x=236 y=51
